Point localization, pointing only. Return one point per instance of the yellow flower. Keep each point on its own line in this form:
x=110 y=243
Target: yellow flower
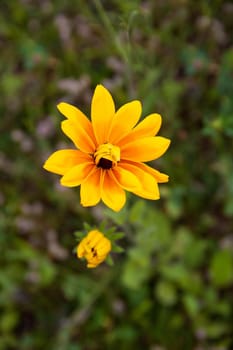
x=94 y=248
x=111 y=151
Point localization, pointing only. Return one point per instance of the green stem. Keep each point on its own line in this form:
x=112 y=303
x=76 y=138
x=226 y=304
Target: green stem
x=80 y=316
x=108 y=25
x=123 y=51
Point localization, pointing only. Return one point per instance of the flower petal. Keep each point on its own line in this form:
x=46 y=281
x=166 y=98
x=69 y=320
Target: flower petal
x=103 y=248
x=145 y=149
x=102 y=112
x=61 y=161
x=149 y=126
x=91 y=265
x=78 y=135
x=159 y=177
x=82 y=126
x=149 y=187
x=81 y=249
x=71 y=112
x=124 y=120
x=126 y=179
x=111 y=193
x=77 y=174
x=90 y=188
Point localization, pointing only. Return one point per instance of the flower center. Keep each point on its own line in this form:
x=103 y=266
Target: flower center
x=106 y=156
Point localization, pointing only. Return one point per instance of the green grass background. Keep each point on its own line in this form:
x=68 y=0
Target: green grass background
x=172 y=287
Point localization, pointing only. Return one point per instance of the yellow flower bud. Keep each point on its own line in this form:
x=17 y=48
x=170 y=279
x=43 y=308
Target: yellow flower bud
x=94 y=248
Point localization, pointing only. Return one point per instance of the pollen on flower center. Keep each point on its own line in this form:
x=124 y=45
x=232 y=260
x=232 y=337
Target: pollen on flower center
x=106 y=156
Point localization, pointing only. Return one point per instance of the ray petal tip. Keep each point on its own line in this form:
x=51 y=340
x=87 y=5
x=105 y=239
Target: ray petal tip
x=139 y=105
x=101 y=87
x=60 y=105
x=44 y=166
x=158 y=116
x=165 y=141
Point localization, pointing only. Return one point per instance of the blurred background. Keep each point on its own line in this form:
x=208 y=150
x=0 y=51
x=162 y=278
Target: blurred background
x=172 y=287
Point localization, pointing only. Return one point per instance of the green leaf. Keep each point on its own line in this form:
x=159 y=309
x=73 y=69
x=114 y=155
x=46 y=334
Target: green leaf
x=79 y=235
x=87 y=227
x=221 y=268
x=137 y=211
x=166 y=292
x=118 y=218
x=109 y=260
x=117 y=249
x=116 y=236
x=191 y=304
x=8 y=320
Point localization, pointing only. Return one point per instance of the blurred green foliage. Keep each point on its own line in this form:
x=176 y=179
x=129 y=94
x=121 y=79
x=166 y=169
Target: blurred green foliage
x=171 y=289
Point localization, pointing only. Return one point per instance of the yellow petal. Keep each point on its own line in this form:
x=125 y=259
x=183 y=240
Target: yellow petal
x=149 y=187
x=94 y=261
x=80 y=250
x=61 y=161
x=83 y=124
x=126 y=179
x=94 y=237
x=93 y=234
x=147 y=127
x=90 y=188
x=92 y=265
x=102 y=112
x=145 y=149
x=124 y=120
x=103 y=247
x=159 y=177
x=73 y=113
x=78 y=135
x=76 y=175
x=111 y=193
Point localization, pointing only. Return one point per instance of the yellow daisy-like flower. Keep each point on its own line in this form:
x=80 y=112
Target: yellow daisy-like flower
x=94 y=248
x=111 y=151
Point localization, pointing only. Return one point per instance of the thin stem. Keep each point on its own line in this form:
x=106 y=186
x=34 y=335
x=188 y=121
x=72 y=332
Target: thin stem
x=107 y=23
x=123 y=51
x=80 y=316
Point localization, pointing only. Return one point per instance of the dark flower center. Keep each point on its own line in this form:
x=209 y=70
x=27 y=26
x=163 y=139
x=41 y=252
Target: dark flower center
x=107 y=156
x=104 y=163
